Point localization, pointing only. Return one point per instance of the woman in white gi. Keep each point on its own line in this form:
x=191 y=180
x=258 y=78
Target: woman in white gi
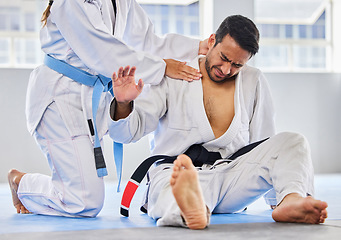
x=87 y=40
x=229 y=108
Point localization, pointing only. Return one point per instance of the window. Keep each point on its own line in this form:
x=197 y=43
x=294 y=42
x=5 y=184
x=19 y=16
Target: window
x=4 y=51
x=19 y=33
x=175 y=18
x=295 y=35
x=30 y=25
x=20 y=25
x=10 y=18
x=27 y=51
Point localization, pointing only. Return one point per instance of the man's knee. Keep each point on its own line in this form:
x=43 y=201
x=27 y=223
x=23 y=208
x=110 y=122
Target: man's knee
x=292 y=139
x=295 y=146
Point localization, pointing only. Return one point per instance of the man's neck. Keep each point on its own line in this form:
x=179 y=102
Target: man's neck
x=207 y=80
x=205 y=77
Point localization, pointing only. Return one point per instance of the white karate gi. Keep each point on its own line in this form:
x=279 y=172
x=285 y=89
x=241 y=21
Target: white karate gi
x=175 y=110
x=80 y=33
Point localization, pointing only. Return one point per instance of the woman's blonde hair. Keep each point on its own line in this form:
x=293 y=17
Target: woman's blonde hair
x=46 y=13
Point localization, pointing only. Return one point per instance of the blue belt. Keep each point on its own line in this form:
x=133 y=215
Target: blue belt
x=100 y=84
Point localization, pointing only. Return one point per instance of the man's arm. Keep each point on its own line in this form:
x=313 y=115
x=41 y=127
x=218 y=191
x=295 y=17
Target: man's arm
x=132 y=118
x=121 y=110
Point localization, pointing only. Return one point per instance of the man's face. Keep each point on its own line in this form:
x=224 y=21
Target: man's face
x=225 y=60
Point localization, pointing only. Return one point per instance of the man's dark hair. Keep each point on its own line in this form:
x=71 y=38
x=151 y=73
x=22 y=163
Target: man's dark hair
x=242 y=30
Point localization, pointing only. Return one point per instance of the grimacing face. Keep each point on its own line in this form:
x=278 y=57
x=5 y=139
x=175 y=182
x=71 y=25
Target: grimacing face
x=225 y=60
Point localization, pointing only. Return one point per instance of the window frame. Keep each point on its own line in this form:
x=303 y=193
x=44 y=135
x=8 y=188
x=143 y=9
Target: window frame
x=291 y=43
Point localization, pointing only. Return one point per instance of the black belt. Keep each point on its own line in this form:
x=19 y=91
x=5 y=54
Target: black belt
x=199 y=156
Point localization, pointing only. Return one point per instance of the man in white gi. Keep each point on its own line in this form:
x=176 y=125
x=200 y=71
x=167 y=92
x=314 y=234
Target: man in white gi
x=228 y=109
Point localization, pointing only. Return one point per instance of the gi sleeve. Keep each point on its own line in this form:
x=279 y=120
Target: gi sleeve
x=81 y=25
x=148 y=108
x=262 y=124
x=140 y=33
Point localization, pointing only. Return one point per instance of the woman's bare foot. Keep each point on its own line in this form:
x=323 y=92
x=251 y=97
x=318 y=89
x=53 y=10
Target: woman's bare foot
x=187 y=192
x=295 y=208
x=14 y=177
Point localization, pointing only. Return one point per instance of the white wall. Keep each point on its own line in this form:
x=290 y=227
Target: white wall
x=224 y=8
x=18 y=149
x=310 y=103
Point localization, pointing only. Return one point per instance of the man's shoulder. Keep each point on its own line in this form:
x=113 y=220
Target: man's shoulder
x=250 y=71
x=252 y=79
x=252 y=75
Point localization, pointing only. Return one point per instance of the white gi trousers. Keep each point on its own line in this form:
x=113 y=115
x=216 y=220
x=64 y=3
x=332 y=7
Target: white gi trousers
x=282 y=163
x=74 y=188
x=63 y=135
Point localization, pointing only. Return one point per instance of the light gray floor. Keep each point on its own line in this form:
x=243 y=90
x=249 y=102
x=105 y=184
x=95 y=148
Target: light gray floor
x=278 y=231
x=255 y=223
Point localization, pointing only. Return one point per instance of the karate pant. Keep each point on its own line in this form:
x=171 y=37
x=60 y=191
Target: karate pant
x=282 y=163
x=74 y=189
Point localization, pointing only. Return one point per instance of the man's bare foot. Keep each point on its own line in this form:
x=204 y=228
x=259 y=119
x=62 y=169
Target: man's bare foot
x=187 y=192
x=14 y=177
x=295 y=208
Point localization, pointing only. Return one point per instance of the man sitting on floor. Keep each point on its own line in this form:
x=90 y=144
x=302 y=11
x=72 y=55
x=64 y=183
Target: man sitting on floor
x=228 y=109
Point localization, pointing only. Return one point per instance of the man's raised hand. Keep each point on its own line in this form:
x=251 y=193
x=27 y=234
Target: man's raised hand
x=124 y=87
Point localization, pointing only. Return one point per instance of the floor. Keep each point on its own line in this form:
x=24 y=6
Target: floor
x=254 y=223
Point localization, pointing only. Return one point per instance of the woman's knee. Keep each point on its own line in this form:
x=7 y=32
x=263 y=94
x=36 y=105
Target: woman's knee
x=85 y=202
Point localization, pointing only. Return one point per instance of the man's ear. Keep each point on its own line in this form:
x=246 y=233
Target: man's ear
x=211 y=41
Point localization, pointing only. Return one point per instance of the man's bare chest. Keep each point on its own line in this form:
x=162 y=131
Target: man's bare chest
x=219 y=108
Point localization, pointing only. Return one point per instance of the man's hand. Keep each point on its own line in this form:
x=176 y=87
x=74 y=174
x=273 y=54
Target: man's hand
x=125 y=91
x=179 y=70
x=124 y=87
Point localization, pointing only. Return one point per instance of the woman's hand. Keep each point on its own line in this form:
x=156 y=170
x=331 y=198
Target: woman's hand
x=179 y=70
